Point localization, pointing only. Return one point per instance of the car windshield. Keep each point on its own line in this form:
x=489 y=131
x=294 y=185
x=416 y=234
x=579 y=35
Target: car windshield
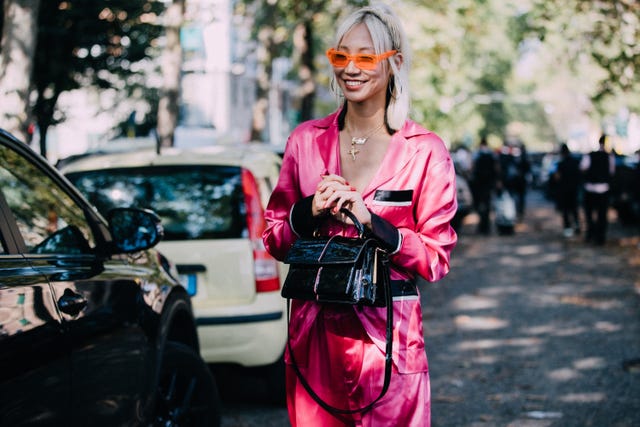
x=194 y=201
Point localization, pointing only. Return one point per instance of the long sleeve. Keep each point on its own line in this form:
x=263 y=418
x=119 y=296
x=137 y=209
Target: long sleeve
x=428 y=241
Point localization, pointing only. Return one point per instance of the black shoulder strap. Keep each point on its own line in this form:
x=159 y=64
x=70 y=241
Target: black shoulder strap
x=388 y=363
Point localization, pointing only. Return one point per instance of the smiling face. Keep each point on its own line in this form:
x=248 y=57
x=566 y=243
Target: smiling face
x=361 y=85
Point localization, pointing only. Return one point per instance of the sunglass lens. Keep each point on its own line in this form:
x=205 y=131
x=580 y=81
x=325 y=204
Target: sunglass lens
x=366 y=62
x=339 y=59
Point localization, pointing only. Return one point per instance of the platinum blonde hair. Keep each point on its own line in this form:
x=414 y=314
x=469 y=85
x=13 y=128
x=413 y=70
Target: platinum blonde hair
x=387 y=34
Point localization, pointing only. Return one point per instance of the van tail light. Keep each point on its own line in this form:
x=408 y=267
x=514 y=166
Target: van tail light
x=265 y=266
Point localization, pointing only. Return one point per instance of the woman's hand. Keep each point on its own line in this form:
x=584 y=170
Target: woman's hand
x=334 y=193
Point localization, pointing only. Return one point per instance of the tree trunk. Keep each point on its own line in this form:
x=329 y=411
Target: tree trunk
x=19 y=34
x=307 y=70
x=168 y=107
x=43 y=113
x=260 y=112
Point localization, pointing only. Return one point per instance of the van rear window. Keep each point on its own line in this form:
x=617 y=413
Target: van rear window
x=194 y=201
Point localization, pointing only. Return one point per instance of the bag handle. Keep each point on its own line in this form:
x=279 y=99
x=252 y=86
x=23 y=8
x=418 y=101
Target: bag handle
x=388 y=361
x=355 y=221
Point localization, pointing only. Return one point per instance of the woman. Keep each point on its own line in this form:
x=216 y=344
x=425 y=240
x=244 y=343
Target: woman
x=399 y=181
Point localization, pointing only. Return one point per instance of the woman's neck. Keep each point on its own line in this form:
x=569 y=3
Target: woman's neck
x=359 y=117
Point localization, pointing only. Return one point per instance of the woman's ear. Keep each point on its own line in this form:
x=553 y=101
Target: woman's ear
x=398 y=59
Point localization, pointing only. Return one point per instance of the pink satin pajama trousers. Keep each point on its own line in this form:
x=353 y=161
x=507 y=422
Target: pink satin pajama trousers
x=346 y=370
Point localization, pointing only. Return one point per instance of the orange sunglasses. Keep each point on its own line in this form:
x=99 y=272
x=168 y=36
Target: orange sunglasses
x=364 y=61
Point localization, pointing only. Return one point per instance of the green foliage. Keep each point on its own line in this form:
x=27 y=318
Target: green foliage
x=84 y=42
x=462 y=65
x=594 y=37
x=479 y=66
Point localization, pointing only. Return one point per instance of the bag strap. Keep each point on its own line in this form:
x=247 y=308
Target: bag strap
x=388 y=362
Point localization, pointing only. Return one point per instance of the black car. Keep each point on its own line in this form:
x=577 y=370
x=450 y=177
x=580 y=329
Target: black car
x=95 y=330
x=625 y=192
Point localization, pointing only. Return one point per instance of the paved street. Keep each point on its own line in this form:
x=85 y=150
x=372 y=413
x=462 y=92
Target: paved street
x=533 y=329
x=528 y=330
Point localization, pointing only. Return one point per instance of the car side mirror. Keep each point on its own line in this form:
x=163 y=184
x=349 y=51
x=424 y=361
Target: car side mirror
x=134 y=229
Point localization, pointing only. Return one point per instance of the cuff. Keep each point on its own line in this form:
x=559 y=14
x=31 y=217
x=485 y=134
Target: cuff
x=386 y=233
x=301 y=220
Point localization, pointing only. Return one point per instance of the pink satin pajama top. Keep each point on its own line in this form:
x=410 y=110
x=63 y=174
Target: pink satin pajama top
x=414 y=189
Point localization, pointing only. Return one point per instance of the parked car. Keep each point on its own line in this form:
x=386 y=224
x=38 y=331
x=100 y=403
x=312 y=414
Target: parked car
x=625 y=192
x=536 y=160
x=211 y=201
x=95 y=328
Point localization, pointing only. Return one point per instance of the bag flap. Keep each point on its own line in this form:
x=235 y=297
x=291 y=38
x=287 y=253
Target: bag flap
x=321 y=251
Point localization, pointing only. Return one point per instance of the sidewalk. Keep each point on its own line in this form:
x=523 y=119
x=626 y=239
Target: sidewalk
x=536 y=330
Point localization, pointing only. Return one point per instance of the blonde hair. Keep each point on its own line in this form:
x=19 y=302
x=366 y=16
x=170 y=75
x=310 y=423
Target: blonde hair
x=387 y=34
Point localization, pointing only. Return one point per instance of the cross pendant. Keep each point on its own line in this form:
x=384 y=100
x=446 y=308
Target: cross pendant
x=353 y=152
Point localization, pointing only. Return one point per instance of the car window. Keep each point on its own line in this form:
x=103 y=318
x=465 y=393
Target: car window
x=193 y=201
x=48 y=219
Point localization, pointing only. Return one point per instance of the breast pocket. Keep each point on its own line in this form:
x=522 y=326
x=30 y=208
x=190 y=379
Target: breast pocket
x=395 y=206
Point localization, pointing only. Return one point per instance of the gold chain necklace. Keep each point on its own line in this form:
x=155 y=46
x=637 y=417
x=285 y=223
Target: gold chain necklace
x=355 y=140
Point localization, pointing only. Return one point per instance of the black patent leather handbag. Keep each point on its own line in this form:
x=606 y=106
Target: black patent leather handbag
x=337 y=269
x=346 y=271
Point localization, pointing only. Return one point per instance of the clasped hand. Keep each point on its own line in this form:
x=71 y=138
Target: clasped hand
x=333 y=193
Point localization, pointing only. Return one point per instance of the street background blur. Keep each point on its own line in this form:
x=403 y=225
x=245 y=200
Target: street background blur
x=531 y=327
x=92 y=76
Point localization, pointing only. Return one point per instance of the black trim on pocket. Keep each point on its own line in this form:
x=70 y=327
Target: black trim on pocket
x=393 y=195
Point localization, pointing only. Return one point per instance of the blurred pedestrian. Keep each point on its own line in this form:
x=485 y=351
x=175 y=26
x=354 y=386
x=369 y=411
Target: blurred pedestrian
x=398 y=179
x=484 y=177
x=521 y=180
x=598 y=168
x=508 y=169
x=567 y=184
x=463 y=161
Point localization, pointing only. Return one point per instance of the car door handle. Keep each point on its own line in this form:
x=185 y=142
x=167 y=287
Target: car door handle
x=190 y=268
x=71 y=303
